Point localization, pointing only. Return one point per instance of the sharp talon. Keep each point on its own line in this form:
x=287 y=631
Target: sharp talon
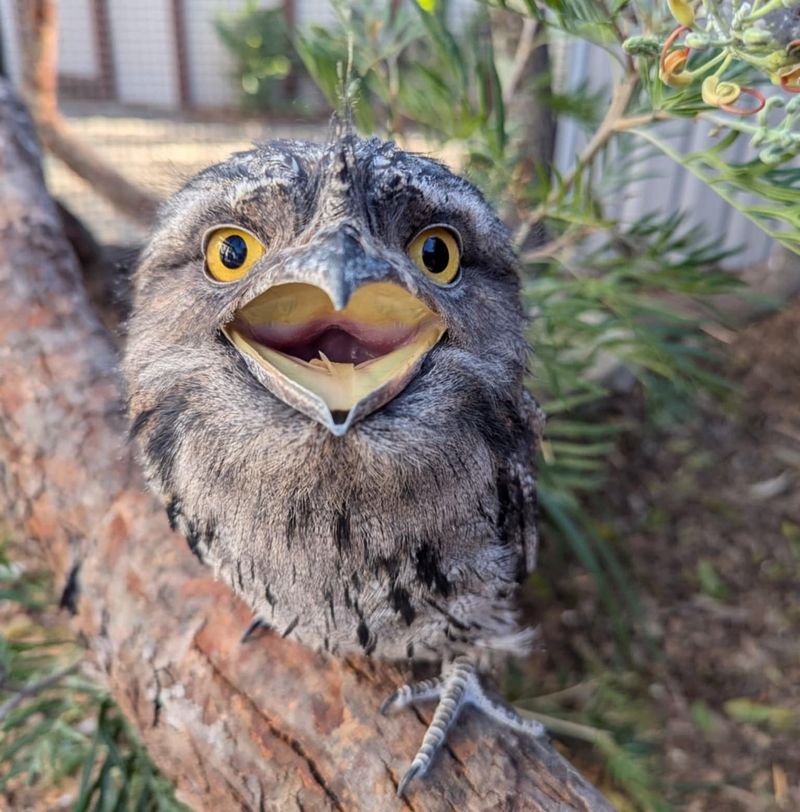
x=410 y=775
x=455 y=689
x=255 y=624
x=387 y=703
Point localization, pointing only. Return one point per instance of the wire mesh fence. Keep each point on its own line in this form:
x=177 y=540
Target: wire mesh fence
x=161 y=88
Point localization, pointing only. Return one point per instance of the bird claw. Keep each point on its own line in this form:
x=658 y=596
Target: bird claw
x=455 y=689
x=411 y=774
x=255 y=624
x=408 y=694
x=387 y=703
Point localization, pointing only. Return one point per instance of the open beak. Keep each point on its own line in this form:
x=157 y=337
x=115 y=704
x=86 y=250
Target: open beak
x=335 y=365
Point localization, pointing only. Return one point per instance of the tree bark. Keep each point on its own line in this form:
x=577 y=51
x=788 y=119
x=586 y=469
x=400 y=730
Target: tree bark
x=39 y=27
x=38 y=21
x=264 y=725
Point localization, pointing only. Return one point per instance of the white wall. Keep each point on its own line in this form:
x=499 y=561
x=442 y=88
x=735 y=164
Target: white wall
x=77 y=43
x=77 y=40
x=8 y=29
x=144 y=52
x=658 y=185
x=210 y=65
x=319 y=12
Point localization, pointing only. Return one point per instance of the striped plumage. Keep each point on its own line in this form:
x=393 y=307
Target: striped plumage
x=405 y=536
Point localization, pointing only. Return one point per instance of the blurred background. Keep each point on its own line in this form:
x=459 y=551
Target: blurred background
x=658 y=235
x=162 y=88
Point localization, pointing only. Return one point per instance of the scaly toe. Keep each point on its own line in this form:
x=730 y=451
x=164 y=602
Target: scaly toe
x=411 y=693
x=458 y=688
x=416 y=769
x=387 y=703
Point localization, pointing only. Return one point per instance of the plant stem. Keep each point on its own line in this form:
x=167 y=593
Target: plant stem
x=773 y=5
x=34 y=688
x=623 y=92
x=554 y=246
x=580 y=691
x=525 y=47
x=704 y=68
x=621 y=37
x=707 y=180
x=575 y=730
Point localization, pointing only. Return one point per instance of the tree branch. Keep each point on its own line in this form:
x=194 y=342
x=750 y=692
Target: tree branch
x=525 y=48
x=622 y=95
x=265 y=725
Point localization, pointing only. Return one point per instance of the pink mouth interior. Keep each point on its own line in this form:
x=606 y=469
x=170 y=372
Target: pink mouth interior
x=340 y=341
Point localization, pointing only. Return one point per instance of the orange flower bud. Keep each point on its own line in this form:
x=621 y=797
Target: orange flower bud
x=672 y=63
x=672 y=66
x=788 y=77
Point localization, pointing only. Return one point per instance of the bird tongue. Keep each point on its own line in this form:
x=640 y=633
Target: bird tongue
x=325 y=361
x=337 y=346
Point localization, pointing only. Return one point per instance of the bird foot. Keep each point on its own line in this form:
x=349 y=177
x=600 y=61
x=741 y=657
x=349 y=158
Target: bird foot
x=457 y=688
x=256 y=624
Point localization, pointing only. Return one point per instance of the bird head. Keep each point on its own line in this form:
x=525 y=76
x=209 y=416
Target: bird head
x=328 y=277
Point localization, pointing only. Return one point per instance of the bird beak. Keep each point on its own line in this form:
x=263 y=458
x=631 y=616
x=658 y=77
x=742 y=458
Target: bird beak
x=335 y=361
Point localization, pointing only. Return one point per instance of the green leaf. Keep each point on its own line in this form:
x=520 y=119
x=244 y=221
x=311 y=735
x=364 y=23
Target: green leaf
x=710 y=582
x=748 y=711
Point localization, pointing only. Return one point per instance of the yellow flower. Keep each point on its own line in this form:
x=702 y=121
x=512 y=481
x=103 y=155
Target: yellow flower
x=725 y=94
x=681 y=11
x=717 y=93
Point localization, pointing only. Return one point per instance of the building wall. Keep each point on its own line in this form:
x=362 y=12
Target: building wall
x=78 y=56
x=145 y=64
x=146 y=73
x=10 y=40
x=210 y=65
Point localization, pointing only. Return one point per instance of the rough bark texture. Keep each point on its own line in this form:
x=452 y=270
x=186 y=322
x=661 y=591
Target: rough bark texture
x=266 y=725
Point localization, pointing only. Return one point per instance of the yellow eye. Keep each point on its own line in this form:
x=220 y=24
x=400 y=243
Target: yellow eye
x=435 y=252
x=231 y=252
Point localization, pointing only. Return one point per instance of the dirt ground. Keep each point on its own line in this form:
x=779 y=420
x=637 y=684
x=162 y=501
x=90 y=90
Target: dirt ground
x=708 y=516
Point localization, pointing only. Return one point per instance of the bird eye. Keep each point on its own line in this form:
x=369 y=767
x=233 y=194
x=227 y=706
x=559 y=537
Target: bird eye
x=231 y=252
x=436 y=253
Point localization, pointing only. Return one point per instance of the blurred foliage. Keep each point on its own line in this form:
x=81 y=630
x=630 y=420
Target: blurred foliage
x=611 y=300
x=763 y=34
x=604 y=712
x=757 y=713
x=406 y=64
x=259 y=40
x=598 y=288
x=59 y=731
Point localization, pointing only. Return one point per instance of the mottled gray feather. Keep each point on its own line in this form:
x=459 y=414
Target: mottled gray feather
x=407 y=536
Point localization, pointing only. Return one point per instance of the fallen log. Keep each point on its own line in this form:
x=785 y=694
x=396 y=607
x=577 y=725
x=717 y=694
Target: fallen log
x=266 y=725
